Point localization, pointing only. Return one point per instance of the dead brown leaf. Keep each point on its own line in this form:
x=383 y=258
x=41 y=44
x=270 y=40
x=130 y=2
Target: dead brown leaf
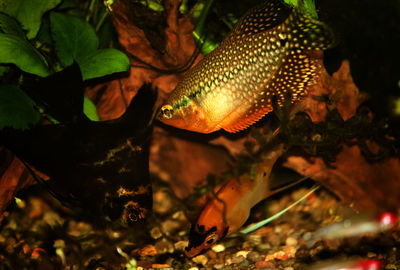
x=112 y=97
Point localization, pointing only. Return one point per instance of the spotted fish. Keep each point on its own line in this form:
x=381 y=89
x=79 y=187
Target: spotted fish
x=272 y=55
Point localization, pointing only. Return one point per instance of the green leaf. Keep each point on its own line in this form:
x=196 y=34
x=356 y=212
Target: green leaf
x=307 y=5
x=74 y=39
x=28 y=12
x=19 y=51
x=16 y=108
x=3 y=69
x=9 y=25
x=103 y=62
x=90 y=109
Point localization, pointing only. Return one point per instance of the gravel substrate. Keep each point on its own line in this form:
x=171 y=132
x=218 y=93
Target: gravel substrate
x=37 y=233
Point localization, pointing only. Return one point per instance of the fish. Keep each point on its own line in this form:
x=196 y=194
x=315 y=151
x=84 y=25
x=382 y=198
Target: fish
x=349 y=264
x=270 y=58
x=356 y=225
x=230 y=208
x=99 y=169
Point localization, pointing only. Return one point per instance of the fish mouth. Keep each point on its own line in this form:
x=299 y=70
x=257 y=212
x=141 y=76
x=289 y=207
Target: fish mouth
x=193 y=252
x=197 y=236
x=197 y=239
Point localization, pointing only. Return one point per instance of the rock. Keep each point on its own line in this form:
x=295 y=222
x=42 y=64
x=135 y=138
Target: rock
x=162 y=202
x=155 y=233
x=255 y=239
x=238 y=259
x=218 y=248
x=254 y=256
x=201 y=259
x=281 y=255
x=290 y=241
x=181 y=245
x=289 y=250
x=161 y=266
x=243 y=253
x=164 y=246
x=148 y=250
x=264 y=265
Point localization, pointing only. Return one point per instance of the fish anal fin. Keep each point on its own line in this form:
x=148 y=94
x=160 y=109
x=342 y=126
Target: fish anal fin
x=243 y=122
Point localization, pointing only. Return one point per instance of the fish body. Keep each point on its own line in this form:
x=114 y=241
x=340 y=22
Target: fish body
x=231 y=208
x=271 y=55
x=355 y=226
x=100 y=173
x=350 y=264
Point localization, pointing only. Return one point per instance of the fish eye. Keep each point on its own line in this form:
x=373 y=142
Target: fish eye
x=132 y=217
x=211 y=239
x=167 y=111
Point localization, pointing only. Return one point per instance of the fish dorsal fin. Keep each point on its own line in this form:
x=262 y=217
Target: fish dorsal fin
x=306 y=33
x=261 y=18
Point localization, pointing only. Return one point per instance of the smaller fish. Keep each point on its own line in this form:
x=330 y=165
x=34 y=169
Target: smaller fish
x=352 y=264
x=231 y=208
x=355 y=226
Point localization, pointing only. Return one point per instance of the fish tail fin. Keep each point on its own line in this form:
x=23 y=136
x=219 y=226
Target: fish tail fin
x=305 y=32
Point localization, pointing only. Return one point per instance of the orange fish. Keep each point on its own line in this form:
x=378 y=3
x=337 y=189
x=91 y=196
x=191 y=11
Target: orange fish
x=269 y=57
x=231 y=208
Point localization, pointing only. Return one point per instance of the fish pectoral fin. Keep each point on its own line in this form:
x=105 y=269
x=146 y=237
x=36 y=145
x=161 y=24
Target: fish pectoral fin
x=243 y=122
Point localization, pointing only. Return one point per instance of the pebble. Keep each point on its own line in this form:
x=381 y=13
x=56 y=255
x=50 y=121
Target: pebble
x=244 y=264
x=181 y=245
x=211 y=254
x=201 y=259
x=243 y=253
x=161 y=266
x=390 y=267
x=288 y=268
x=193 y=268
x=254 y=256
x=164 y=246
x=155 y=233
x=278 y=229
x=371 y=255
x=264 y=247
x=264 y=265
x=281 y=255
x=290 y=251
x=290 y=241
x=218 y=248
x=269 y=257
x=162 y=202
x=255 y=239
x=148 y=250
x=238 y=259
